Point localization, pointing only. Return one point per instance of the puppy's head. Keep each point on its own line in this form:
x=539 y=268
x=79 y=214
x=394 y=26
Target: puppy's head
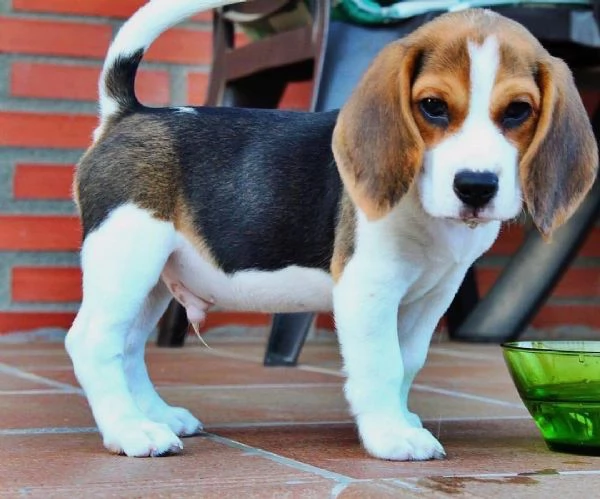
x=472 y=109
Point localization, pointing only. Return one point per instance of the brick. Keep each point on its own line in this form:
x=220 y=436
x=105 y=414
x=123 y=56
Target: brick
x=60 y=81
x=32 y=36
x=48 y=181
x=297 y=95
x=106 y=8
x=197 y=87
x=566 y=315
x=591 y=246
x=182 y=46
x=325 y=321
x=206 y=16
x=46 y=284
x=39 y=233
x=22 y=129
x=511 y=238
x=27 y=321
x=576 y=283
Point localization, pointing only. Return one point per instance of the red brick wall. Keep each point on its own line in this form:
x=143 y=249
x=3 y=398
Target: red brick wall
x=51 y=53
x=50 y=56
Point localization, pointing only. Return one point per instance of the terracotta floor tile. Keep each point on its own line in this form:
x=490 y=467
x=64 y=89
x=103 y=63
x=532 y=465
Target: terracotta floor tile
x=76 y=465
x=322 y=353
x=377 y=489
x=42 y=411
x=534 y=486
x=64 y=375
x=49 y=355
x=464 y=394
x=202 y=368
x=312 y=403
x=435 y=406
x=473 y=447
x=183 y=367
x=262 y=405
x=11 y=382
x=484 y=375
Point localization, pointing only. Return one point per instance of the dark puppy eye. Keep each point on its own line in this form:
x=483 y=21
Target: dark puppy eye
x=515 y=114
x=435 y=111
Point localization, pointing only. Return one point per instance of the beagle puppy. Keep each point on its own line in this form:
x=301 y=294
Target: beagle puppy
x=375 y=212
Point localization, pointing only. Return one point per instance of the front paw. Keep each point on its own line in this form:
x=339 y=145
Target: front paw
x=181 y=421
x=413 y=419
x=141 y=438
x=393 y=438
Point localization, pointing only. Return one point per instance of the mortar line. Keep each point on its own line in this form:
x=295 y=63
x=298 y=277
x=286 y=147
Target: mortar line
x=18 y=373
x=285 y=461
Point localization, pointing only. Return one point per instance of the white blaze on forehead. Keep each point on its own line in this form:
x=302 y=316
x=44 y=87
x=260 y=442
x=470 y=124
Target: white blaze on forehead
x=479 y=145
x=485 y=59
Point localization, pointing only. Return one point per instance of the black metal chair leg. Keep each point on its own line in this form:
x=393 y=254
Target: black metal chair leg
x=530 y=276
x=288 y=334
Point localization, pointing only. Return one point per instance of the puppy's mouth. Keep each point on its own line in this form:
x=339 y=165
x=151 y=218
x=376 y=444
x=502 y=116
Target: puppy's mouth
x=473 y=217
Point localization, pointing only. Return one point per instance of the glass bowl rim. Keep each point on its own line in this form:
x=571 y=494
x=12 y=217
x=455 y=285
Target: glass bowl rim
x=529 y=346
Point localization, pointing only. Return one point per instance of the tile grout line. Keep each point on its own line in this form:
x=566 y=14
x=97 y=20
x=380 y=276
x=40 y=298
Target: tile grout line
x=14 y=371
x=322 y=370
x=341 y=480
x=39 y=391
x=463 y=419
x=425 y=388
x=217 y=352
x=246 y=425
x=463 y=355
x=453 y=393
x=61 y=430
x=285 y=461
x=256 y=386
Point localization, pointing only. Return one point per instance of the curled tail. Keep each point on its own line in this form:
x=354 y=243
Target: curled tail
x=117 y=81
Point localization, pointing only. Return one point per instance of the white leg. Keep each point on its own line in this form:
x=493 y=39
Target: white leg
x=366 y=306
x=416 y=325
x=180 y=420
x=122 y=261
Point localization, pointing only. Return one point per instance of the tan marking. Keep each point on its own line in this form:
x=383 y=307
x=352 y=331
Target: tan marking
x=561 y=163
x=449 y=88
x=184 y=224
x=376 y=143
x=345 y=234
x=133 y=161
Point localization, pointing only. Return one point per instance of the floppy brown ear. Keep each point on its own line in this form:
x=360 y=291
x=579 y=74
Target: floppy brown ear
x=376 y=142
x=560 y=165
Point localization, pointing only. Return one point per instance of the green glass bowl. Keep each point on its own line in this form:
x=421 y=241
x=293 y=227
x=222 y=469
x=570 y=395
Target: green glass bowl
x=559 y=383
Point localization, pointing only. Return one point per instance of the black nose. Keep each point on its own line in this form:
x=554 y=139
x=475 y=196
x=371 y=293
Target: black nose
x=475 y=189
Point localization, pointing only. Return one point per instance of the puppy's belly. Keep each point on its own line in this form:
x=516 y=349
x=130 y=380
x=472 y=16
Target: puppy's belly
x=198 y=285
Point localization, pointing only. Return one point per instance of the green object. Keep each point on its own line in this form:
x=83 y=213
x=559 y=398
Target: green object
x=374 y=12
x=559 y=383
